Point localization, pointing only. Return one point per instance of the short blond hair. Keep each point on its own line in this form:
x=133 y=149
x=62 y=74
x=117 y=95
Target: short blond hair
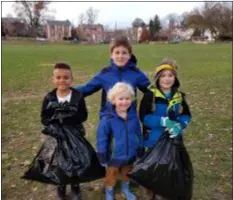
x=119 y=88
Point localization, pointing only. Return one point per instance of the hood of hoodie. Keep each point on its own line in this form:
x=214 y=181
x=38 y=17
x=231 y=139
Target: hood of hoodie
x=111 y=112
x=132 y=63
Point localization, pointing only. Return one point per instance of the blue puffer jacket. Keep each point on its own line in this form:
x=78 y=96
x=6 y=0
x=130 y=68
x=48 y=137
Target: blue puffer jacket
x=118 y=140
x=109 y=76
x=155 y=105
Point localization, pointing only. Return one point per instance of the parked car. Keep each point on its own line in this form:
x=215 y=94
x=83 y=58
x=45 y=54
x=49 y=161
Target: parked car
x=75 y=40
x=41 y=39
x=105 y=42
x=175 y=40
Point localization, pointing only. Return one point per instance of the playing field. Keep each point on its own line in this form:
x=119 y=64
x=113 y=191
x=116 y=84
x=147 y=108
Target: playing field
x=205 y=72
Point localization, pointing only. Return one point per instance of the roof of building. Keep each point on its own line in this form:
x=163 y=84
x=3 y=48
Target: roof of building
x=91 y=26
x=59 y=22
x=12 y=19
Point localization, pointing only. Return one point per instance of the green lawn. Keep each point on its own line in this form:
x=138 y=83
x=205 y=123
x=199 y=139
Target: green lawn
x=205 y=72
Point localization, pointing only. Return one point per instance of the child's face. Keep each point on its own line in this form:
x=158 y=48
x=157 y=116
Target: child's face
x=166 y=80
x=62 y=79
x=123 y=101
x=120 y=56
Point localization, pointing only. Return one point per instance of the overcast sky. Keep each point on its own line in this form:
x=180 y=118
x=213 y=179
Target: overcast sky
x=112 y=13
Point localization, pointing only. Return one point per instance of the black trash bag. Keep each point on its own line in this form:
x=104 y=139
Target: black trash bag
x=63 y=110
x=66 y=157
x=166 y=169
x=68 y=161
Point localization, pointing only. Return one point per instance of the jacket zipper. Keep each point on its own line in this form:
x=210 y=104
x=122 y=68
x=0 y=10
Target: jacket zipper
x=126 y=138
x=120 y=74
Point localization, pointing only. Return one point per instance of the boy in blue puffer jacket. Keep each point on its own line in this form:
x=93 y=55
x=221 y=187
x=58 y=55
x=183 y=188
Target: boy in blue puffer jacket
x=122 y=68
x=119 y=139
x=164 y=107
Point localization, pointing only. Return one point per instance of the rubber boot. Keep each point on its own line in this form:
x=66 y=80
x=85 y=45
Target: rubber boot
x=109 y=193
x=76 y=192
x=126 y=194
x=61 y=192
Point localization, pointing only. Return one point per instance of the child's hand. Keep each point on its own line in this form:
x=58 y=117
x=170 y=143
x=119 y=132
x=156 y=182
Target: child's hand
x=104 y=165
x=175 y=131
x=166 y=122
x=46 y=130
x=51 y=131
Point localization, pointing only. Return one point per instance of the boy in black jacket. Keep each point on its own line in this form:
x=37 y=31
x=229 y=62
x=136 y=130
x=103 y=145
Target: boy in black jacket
x=63 y=94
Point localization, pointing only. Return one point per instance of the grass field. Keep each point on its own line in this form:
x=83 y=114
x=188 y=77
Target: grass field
x=205 y=72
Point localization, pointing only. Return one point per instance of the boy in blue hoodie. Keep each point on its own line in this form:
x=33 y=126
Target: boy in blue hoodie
x=122 y=68
x=119 y=139
x=164 y=107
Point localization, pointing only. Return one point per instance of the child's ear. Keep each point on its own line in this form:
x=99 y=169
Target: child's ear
x=71 y=78
x=110 y=55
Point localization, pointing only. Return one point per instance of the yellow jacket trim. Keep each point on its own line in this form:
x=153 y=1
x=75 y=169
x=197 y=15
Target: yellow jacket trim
x=176 y=99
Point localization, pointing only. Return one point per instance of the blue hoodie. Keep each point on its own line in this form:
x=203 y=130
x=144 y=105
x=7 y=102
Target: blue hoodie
x=109 y=76
x=118 y=140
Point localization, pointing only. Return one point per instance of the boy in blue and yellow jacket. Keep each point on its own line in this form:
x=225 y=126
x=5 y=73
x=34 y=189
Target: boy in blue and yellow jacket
x=164 y=107
x=119 y=139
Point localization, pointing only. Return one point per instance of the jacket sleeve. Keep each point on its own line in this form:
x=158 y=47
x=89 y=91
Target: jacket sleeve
x=185 y=117
x=92 y=86
x=103 y=140
x=147 y=117
x=139 y=135
x=143 y=82
x=82 y=111
x=45 y=114
x=152 y=121
x=145 y=107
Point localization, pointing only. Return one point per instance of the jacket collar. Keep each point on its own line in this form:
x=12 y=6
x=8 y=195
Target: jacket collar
x=112 y=112
x=52 y=96
x=158 y=93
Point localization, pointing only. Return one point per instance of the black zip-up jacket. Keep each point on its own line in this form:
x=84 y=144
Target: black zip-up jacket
x=76 y=116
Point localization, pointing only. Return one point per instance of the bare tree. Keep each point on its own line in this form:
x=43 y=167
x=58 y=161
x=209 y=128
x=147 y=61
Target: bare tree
x=173 y=19
x=220 y=18
x=106 y=28
x=197 y=21
x=184 y=19
x=215 y=16
x=33 y=12
x=91 y=15
x=81 y=18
